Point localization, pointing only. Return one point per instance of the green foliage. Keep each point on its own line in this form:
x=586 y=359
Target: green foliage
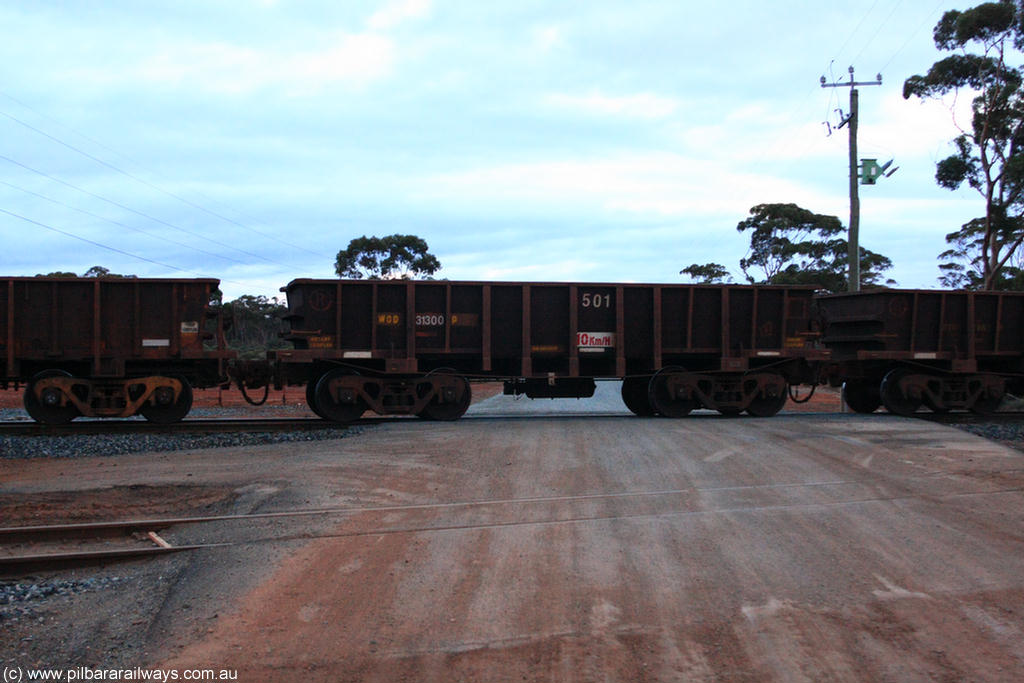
x=95 y=271
x=393 y=256
x=708 y=273
x=961 y=268
x=791 y=245
x=253 y=325
x=989 y=153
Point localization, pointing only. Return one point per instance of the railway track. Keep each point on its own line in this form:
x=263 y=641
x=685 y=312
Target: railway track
x=28 y=549
x=971 y=418
x=199 y=425
x=228 y=425
x=24 y=550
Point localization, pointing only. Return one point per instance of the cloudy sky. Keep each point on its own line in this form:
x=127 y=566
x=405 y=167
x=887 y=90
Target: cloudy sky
x=527 y=140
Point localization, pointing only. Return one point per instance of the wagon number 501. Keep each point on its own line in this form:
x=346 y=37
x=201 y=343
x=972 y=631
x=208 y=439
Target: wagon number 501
x=596 y=300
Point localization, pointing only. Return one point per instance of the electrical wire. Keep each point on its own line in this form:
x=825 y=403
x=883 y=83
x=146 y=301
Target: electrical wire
x=833 y=95
x=92 y=242
x=122 y=156
x=856 y=28
x=152 y=186
x=914 y=33
x=139 y=213
x=878 y=30
x=108 y=247
x=118 y=223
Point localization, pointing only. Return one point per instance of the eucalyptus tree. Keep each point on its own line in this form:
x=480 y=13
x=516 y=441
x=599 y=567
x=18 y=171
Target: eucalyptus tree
x=390 y=257
x=790 y=245
x=984 y=42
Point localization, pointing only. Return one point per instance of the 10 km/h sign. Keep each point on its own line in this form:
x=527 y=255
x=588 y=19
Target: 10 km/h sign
x=595 y=341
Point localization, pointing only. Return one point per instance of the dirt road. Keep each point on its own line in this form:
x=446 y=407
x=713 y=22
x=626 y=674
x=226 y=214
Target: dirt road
x=623 y=549
x=611 y=548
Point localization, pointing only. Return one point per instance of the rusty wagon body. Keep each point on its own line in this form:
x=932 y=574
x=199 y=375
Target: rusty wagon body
x=944 y=349
x=412 y=346
x=109 y=346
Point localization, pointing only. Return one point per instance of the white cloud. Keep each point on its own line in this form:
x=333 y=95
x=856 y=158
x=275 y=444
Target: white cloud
x=356 y=58
x=643 y=105
x=398 y=12
x=546 y=38
x=351 y=59
x=659 y=183
x=914 y=127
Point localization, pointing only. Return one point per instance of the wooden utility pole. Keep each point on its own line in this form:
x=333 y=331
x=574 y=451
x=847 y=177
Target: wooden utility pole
x=853 y=239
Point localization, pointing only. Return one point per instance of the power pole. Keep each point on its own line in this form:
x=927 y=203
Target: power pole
x=853 y=240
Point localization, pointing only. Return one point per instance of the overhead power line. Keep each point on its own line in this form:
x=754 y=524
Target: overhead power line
x=119 y=224
x=92 y=242
x=856 y=28
x=139 y=213
x=153 y=186
x=106 y=246
x=913 y=34
x=878 y=30
x=121 y=155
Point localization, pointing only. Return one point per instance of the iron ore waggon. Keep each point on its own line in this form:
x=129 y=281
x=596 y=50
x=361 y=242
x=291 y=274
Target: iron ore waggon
x=109 y=347
x=907 y=348
x=412 y=347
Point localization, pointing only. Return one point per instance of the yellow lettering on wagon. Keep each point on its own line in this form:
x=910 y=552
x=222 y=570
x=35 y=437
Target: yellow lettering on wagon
x=466 y=319
x=325 y=341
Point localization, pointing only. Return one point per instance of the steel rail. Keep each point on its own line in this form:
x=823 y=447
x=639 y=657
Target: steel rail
x=198 y=425
x=18 y=565
x=229 y=425
x=970 y=418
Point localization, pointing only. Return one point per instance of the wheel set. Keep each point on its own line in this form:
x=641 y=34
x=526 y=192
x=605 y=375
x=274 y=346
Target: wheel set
x=904 y=390
x=55 y=396
x=342 y=395
x=672 y=392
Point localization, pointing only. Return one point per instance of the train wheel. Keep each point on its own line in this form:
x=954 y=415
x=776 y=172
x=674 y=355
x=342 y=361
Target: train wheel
x=450 y=409
x=862 y=397
x=48 y=410
x=893 y=397
x=766 y=406
x=311 y=397
x=988 y=403
x=163 y=409
x=932 y=406
x=662 y=401
x=634 y=395
x=330 y=409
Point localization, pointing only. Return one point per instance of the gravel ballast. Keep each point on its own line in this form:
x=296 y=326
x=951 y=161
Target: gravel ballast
x=19 y=599
x=96 y=445
x=1008 y=433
